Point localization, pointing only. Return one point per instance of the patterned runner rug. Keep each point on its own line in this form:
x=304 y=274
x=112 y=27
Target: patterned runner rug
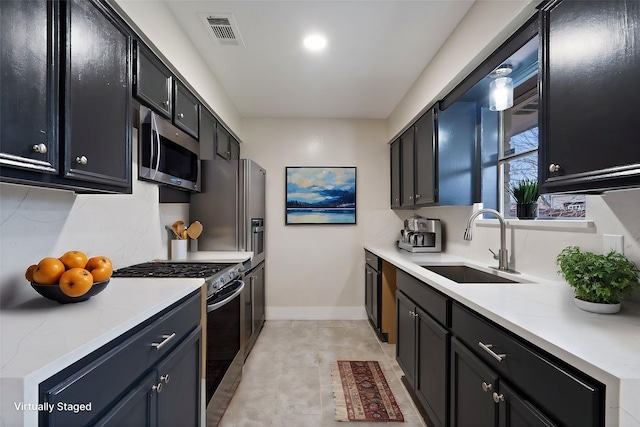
x=361 y=393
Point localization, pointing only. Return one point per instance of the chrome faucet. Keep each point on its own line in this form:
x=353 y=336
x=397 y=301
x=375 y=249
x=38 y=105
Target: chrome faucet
x=503 y=255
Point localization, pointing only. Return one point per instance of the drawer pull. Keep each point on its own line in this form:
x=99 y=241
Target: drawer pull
x=165 y=340
x=487 y=348
x=486 y=387
x=498 y=397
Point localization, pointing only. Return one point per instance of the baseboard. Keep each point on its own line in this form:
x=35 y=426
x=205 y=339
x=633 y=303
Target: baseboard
x=316 y=313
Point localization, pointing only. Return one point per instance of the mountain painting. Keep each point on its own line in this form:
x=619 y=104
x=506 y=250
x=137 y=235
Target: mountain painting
x=317 y=195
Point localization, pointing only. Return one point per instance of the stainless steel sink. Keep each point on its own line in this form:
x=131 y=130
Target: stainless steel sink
x=464 y=274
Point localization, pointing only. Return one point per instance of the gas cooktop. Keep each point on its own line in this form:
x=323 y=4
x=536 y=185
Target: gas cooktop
x=172 y=269
x=215 y=275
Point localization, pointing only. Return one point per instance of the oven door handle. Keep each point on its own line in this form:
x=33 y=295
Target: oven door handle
x=217 y=305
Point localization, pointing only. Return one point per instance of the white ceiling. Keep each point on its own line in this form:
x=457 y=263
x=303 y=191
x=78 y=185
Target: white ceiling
x=375 y=51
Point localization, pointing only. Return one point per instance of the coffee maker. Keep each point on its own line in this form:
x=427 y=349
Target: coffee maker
x=421 y=234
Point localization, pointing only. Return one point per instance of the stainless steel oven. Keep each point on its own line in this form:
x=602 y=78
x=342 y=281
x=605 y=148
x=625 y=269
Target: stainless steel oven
x=225 y=349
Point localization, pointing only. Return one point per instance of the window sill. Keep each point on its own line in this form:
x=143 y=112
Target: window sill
x=570 y=225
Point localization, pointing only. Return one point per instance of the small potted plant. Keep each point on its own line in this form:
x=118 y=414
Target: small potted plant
x=599 y=281
x=525 y=192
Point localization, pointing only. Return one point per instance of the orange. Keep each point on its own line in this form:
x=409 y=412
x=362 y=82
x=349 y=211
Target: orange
x=101 y=273
x=76 y=282
x=74 y=259
x=98 y=261
x=48 y=271
x=29 y=273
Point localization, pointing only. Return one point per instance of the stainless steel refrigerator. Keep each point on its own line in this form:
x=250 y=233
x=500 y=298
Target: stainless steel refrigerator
x=231 y=207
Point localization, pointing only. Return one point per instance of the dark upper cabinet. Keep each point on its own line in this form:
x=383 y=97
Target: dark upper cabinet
x=98 y=96
x=457 y=176
x=590 y=95
x=425 y=160
x=29 y=93
x=407 y=141
x=153 y=82
x=395 y=174
x=158 y=88
x=66 y=79
x=186 y=111
x=208 y=125
x=227 y=146
x=413 y=165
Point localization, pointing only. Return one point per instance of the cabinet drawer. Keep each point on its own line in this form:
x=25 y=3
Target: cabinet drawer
x=566 y=395
x=105 y=375
x=372 y=260
x=430 y=300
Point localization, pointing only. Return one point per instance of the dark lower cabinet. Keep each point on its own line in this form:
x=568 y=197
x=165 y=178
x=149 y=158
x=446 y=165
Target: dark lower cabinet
x=480 y=399
x=169 y=396
x=422 y=351
x=254 y=306
x=373 y=293
x=560 y=392
x=463 y=370
x=150 y=376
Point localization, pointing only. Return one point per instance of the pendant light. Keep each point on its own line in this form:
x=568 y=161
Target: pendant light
x=501 y=88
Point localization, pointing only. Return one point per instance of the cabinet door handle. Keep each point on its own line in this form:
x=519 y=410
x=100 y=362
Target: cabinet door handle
x=180 y=116
x=486 y=387
x=82 y=160
x=418 y=196
x=157 y=388
x=165 y=378
x=39 y=148
x=165 y=340
x=165 y=104
x=498 y=397
x=554 y=168
x=487 y=348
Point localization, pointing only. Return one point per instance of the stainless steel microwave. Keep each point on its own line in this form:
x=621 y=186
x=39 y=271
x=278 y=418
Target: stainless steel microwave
x=166 y=154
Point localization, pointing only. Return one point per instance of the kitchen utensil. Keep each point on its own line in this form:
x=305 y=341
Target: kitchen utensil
x=194 y=230
x=178 y=228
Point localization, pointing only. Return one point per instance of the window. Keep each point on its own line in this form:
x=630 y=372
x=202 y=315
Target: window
x=518 y=159
x=505 y=143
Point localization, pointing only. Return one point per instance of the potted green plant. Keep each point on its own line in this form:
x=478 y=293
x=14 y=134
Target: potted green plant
x=599 y=281
x=525 y=193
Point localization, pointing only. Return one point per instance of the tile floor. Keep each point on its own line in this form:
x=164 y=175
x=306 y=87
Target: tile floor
x=286 y=380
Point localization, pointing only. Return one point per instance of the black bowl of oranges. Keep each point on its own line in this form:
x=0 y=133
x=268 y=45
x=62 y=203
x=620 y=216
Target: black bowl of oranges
x=71 y=278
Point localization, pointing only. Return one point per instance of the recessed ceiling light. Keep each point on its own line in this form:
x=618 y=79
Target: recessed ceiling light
x=315 y=42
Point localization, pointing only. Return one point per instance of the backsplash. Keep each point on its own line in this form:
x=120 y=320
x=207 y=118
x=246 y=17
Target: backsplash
x=534 y=248
x=38 y=222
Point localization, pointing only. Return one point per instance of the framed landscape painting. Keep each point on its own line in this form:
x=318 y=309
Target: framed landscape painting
x=320 y=195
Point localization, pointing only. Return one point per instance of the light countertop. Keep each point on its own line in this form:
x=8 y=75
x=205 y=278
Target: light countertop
x=41 y=337
x=607 y=347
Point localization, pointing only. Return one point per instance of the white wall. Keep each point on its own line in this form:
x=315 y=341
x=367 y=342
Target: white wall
x=317 y=271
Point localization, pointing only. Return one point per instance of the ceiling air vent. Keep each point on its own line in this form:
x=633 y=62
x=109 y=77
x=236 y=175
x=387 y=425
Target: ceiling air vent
x=223 y=28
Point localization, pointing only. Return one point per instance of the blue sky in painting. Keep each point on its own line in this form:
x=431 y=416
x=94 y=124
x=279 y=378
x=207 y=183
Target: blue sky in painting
x=321 y=186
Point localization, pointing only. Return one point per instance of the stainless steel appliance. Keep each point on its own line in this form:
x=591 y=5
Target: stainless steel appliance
x=421 y=235
x=225 y=324
x=231 y=207
x=166 y=154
